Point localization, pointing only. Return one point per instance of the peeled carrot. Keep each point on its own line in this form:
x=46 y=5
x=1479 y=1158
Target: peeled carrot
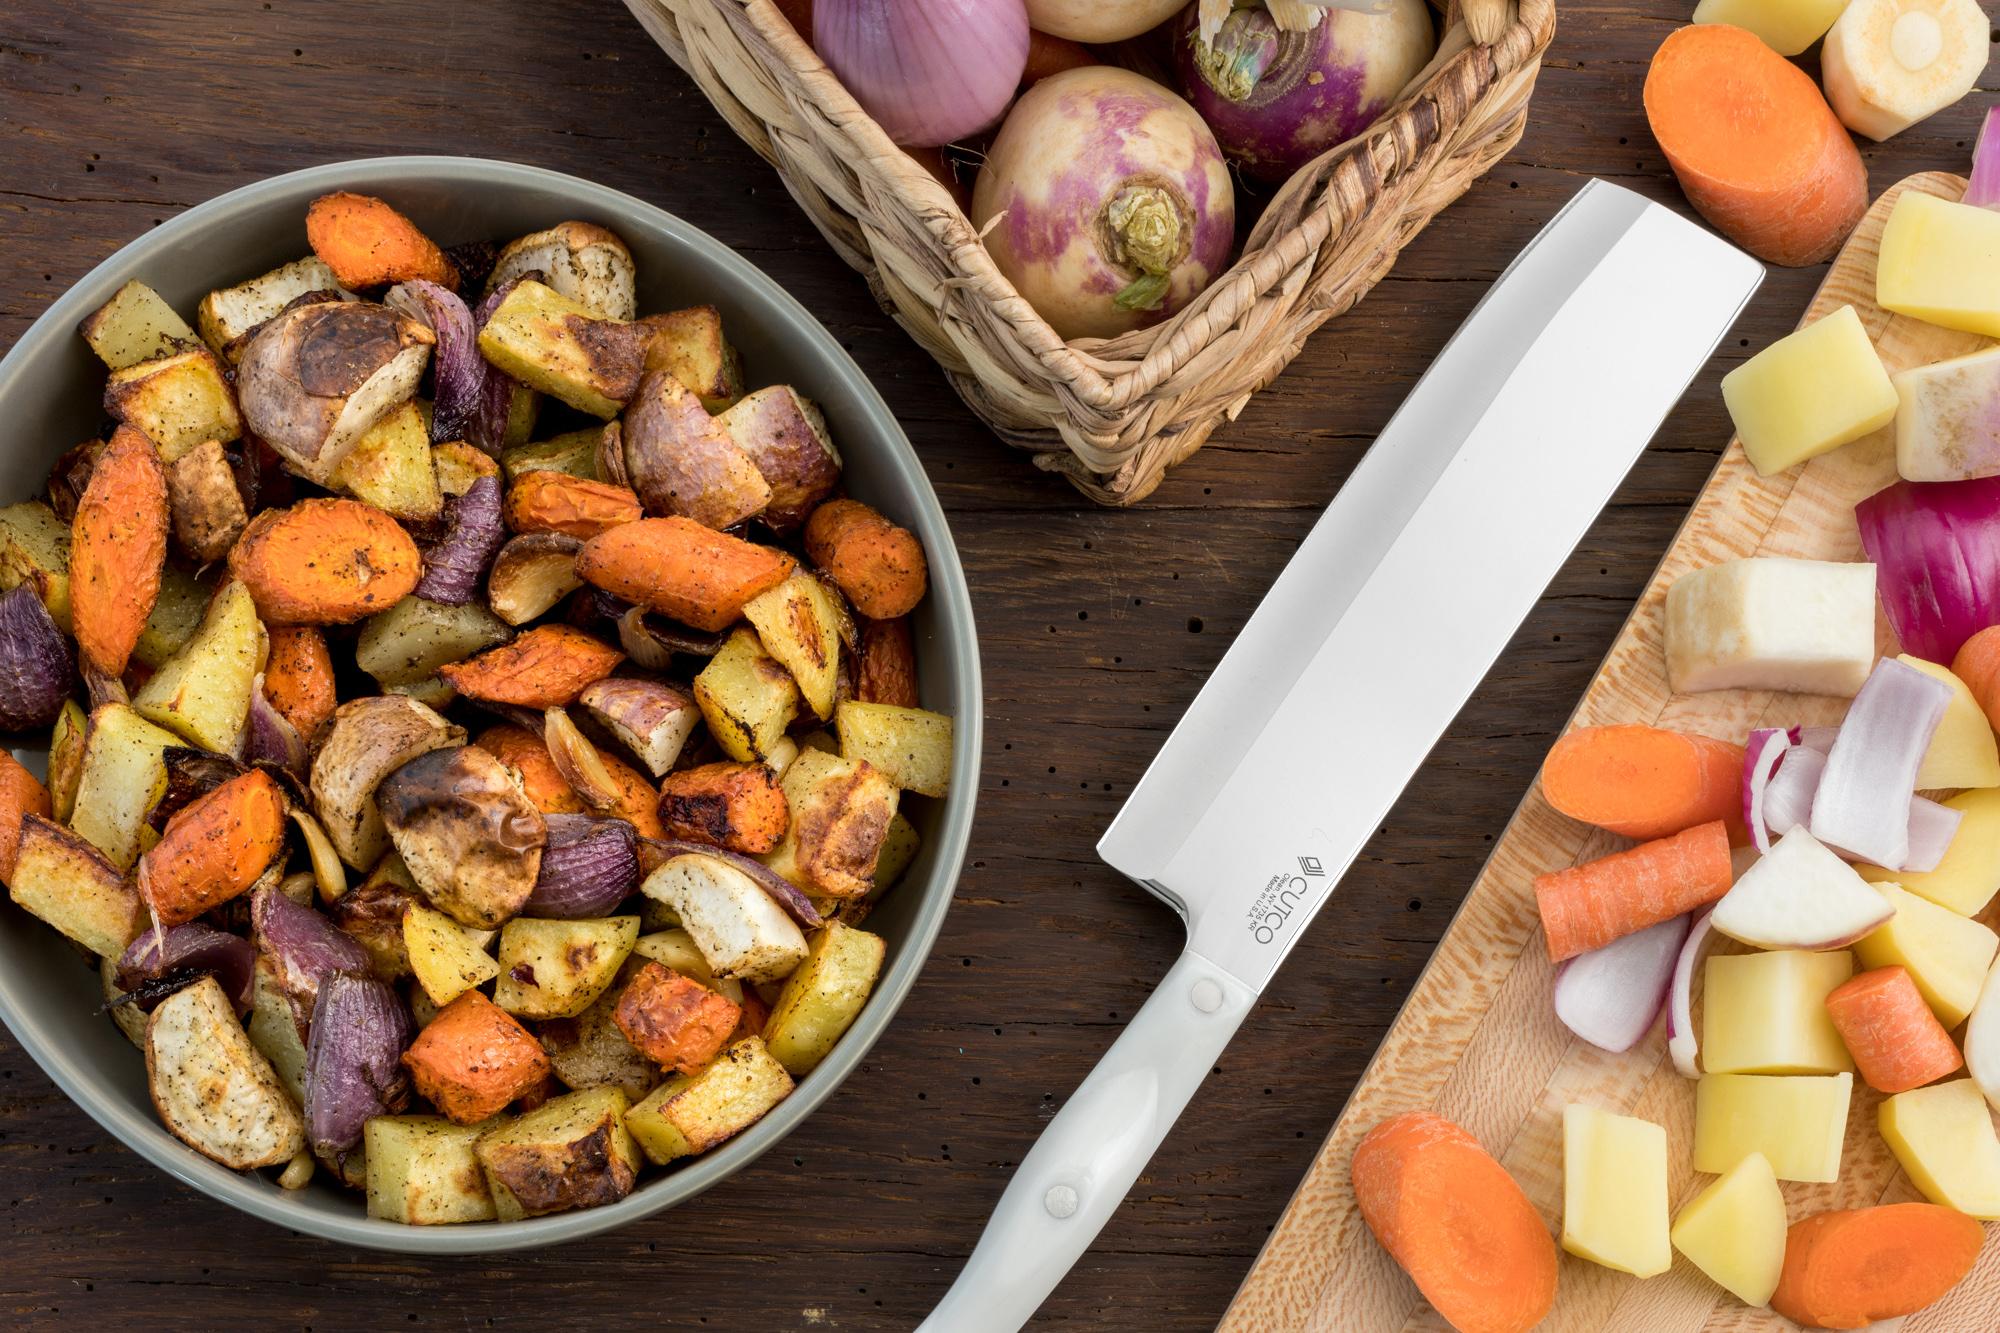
x=214 y=848
x=1456 y=1222
x=369 y=244
x=20 y=794
x=545 y=668
x=1586 y=907
x=681 y=569
x=1758 y=151
x=1895 y=1039
x=1977 y=663
x=524 y=752
x=118 y=546
x=1849 y=1268
x=1645 y=782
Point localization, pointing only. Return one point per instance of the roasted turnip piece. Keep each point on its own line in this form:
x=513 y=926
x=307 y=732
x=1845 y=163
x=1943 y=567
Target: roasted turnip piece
x=228 y=316
x=783 y=892
x=572 y=1152
x=739 y=928
x=212 y=1088
x=191 y=948
x=564 y=348
x=207 y=505
x=531 y=574
x=682 y=461
x=369 y=739
x=469 y=834
x=589 y=866
x=650 y=718
x=314 y=379
x=36 y=664
x=68 y=883
x=354 y=1061
x=784 y=435
x=581 y=260
x=276 y=1027
x=302 y=947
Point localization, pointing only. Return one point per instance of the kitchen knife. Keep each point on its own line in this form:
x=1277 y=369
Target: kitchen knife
x=1372 y=639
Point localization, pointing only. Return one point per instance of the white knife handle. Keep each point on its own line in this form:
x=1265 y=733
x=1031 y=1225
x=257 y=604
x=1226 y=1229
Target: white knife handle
x=1091 y=1153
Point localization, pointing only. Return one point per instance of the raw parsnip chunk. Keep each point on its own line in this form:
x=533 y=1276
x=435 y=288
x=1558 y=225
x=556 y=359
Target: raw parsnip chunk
x=1948 y=418
x=1615 y=1191
x=1809 y=392
x=1968 y=877
x=1888 y=64
x=1734 y=1230
x=1787 y=27
x=1797 y=1122
x=1962 y=752
x=1772 y=623
x=1940 y=262
x=1765 y=1013
x=1947 y=954
x=1943 y=1136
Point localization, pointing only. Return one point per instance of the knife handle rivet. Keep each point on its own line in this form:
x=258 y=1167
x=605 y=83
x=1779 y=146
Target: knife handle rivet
x=1061 y=1201
x=1207 y=995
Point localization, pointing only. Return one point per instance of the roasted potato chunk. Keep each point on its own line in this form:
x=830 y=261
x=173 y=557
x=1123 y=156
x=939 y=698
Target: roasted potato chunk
x=422 y=1170
x=822 y=998
x=202 y=693
x=392 y=468
x=564 y=348
x=673 y=1020
x=900 y=846
x=691 y=1113
x=177 y=613
x=583 y=261
x=573 y=453
x=212 y=1088
x=315 y=378
x=123 y=776
x=739 y=928
x=571 y=1152
x=737 y=806
x=34 y=549
x=135 y=325
x=412 y=639
x=448 y=959
x=68 y=883
x=468 y=832
x=688 y=344
x=747 y=697
x=799 y=624
x=370 y=739
x=557 y=969
x=841 y=810
x=911 y=745
x=229 y=315
x=178 y=401
x=682 y=462
x=784 y=435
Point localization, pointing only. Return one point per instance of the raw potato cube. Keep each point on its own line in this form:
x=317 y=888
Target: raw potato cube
x=823 y=997
x=841 y=810
x=228 y=316
x=1969 y=875
x=1765 y=1013
x=688 y=344
x=800 y=626
x=1786 y=26
x=1615 y=1191
x=1735 y=1231
x=422 y=1170
x=212 y=1088
x=1943 y=1136
x=1962 y=752
x=692 y=1113
x=34 y=548
x=739 y=928
x=1940 y=262
x=391 y=466
x=747 y=697
x=565 y=349
x=1947 y=954
x=133 y=326
x=911 y=745
x=1944 y=428
x=412 y=639
x=557 y=969
x=1772 y=623
x=123 y=776
x=573 y=453
x=448 y=959
x=1796 y=1122
x=1809 y=392
x=66 y=882
x=178 y=401
x=202 y=693
x=572 y=1151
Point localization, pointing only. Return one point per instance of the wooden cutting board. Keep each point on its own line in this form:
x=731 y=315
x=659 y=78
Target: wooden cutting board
x=1478 y=1040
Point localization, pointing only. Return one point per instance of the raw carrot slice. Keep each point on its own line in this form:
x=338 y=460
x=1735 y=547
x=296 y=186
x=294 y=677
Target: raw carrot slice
x=1758 y=151
x=118 y=546
x=1896 y=1041
x=1586 y=907
x=369 y=244
x=1849 y=1268
x=20 y=794
x=1456 y=1222
x=1645 y=782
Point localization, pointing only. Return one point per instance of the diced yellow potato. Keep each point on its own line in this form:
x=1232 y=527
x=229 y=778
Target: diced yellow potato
x=1772 y=623
x=1969 y=876
x=823 y=996
x=227 y=317
x=557 y=969
x=1615 y=1191
x=177 y=614
x=447 y=958
x=133 y=326
x=178 y=401
x=391 y=466
x=1940 y=262
x=1797 y=1122
x=65 y=881
x=1809 y=392
x=691 y=1113
x=1765 y=1013
x=573 y=452
x=34 y=549
x=422 y=1170
x=123 y=775
x=746 y=696
x=800 y=626
x=911 y=745
x=1734 y=1230
x=1962 y=752
x=203 y=692
x=1786 y=26
x=1947 y=954
x=900 y=846
x=1943 y=1136
x=564 y=348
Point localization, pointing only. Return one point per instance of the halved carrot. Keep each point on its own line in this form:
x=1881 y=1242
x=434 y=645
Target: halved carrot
x=298 y=679
x=1977 y=663
x=118 y=546
x=1586 y=907
x=325 y=562
x=681 y=569
x=879 y=565
x=1758 y=151
x=214 y=848
x=1457 y=1223
x=1645 y=782
x=1896 y=1041
x=20 y=794
x=549 y=501
x=369 y=244
x=545 y=668
x=1849 y=1268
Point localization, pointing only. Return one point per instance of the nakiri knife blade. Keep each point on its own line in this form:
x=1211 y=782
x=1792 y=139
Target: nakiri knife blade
x=1378 y=630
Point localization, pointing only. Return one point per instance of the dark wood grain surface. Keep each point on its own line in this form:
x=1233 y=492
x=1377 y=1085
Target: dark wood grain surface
x=1097 y=628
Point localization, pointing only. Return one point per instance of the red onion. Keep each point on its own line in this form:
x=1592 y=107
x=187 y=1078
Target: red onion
x=303 y=945
x=194 y=949
x=1862 y=804
x=1982 y=186
x=1936 y=548
x=268 y=737
x=460 y=370
x=474 y=533
x=787 y=894
x=929 y=72
x=651 y=640
x=589 y=866
x=1788 y=796
x=1681 y=1043
x=1767 y=745
x=36 y=666
x=1610 y=996
x=354 y=1060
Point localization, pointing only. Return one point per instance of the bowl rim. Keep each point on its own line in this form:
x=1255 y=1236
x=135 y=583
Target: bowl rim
x=260 y=1197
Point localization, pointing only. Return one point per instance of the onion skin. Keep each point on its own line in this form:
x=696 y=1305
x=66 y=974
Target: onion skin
x=36 y=664
x=1105 y=177
x=200 y=950
x=929 y=73
x=354 y=1061
x=589 y=866
x=474 y=533
x=269 y=738
x=1276 y=100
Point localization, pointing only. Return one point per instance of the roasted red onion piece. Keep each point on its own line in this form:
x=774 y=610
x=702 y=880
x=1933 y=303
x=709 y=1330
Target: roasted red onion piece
x=454 y=566
x=305 y=946
x=36 y=666
x=193 y=949
x=651 y=641
x=787 y=894
x=460 y=370
x=486 y=424
x=269 y=738
x=354 y=1060
x=191 y=774
x=589 y=866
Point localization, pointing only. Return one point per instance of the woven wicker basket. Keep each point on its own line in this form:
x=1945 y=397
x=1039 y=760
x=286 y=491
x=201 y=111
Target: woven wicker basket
x=1110 y=414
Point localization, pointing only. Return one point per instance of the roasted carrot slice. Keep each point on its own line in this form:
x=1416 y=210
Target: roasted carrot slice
x=549 y=501
x=118 y=546
x=681 y=569
x=369 y=244
x=298 y=679
x=545 y=668
x=878 y=565
x=20 y=794
x=214 y=848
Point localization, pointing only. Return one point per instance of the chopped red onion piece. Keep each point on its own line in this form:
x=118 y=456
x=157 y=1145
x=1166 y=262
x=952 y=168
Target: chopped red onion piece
x=1871 y=772
x=459 y=369
x=36 y=666
x=1681 y=1042
x=198 y=950
x=1767 y=745
x=1932 y=827
x=1788 y=796
x=590 y=864
x=1936 y=548
x=786 y=894
x=268 y=737
x=1610 y=996
x=474 y=533
x=304 y=946
x=354 y=1060
x=1982 y=187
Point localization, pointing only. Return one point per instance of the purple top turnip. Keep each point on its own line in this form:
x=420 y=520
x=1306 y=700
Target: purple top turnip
x=1115 y=206
x=1276 y=100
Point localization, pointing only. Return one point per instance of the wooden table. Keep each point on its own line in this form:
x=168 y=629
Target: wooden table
x=1097 y=628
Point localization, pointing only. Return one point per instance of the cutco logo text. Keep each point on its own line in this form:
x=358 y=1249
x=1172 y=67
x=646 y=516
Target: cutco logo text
x=1279 y=898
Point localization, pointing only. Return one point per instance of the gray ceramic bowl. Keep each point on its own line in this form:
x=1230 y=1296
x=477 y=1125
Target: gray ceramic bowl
x=49 y=389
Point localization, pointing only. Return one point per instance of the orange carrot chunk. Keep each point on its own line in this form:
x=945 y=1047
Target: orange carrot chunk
x=118 y=547
x=1586 y=907
x=1758 y=151
x=1896 y=1041
x=1645 y=782
x=1849 y=1268
x=214 y=848
x=369 y=244
x=1977 y=663
x=20 y=795
x=298 y=679
x=1456 y=1222
x=545 y=668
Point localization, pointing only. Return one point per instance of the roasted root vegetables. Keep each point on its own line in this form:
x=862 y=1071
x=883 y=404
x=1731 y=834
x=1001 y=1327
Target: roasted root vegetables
x=380 y=727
